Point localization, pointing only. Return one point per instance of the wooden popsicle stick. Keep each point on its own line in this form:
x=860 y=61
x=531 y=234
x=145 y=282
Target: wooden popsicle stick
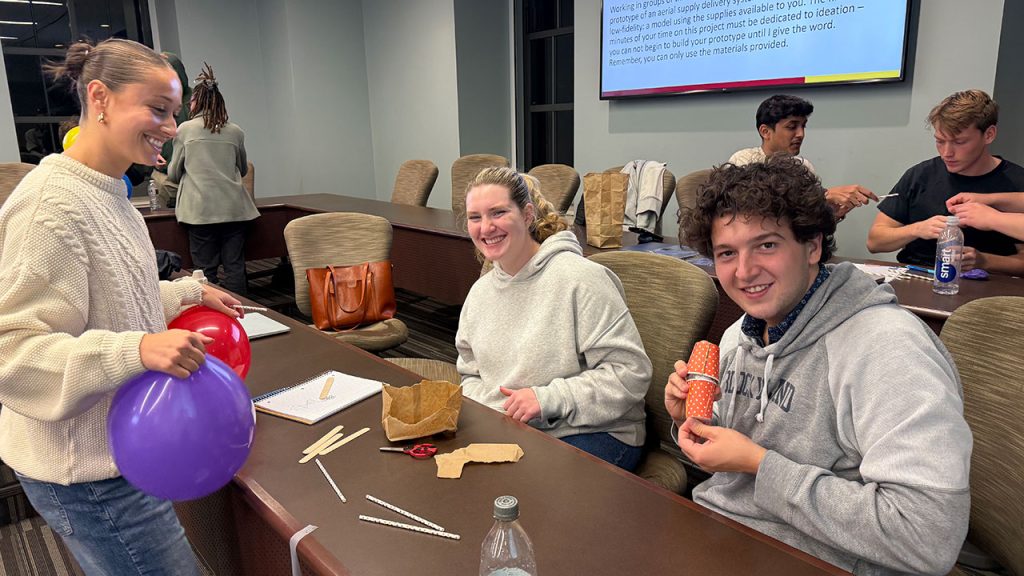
x=319 y=450
x=325 y=439
x=327 y=387
x=343 y=441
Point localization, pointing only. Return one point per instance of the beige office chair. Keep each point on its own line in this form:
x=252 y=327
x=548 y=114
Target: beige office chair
x=986 y=337
x=673 y=303
x=249 y=180
x=430 y=369
x=464 y=170
x=414 y=182
x=11 y=174
x=558 y=183
x=342 y=239
x=668 y=185
x=687 y=186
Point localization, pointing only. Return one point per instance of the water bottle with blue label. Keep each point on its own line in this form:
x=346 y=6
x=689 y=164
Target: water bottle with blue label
x=949 y=250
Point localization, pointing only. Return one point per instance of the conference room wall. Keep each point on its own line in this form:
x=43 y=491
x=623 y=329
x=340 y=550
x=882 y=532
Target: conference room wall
x=483 y=51
x=1009 y=89
x=412 y=80
x=867 y=134
x=294 y=77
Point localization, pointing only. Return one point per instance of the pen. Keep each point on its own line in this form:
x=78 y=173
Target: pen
x=249 y=308
x=327 y=387
x=884 y=196
x=920 y=269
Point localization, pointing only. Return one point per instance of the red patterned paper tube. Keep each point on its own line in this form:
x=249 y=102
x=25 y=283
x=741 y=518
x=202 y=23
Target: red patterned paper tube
x=702 y=374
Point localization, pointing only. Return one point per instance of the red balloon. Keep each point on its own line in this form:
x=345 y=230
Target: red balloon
x=230 y=342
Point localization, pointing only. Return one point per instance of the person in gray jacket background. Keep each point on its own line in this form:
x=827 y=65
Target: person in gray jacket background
x=839 y=429
x=208 y=164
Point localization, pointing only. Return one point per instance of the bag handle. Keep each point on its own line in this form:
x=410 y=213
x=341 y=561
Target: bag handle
x=328 y=292
x=330 y=295
x=362 y=295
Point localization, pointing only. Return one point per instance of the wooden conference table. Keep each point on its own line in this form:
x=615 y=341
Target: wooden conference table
x=583 y=515
x=433 y=255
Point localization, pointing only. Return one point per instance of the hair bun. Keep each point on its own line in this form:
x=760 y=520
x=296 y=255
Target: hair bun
x=74 y=61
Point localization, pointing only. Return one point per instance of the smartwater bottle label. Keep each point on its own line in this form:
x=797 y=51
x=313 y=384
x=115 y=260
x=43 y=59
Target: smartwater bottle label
x=945 y=271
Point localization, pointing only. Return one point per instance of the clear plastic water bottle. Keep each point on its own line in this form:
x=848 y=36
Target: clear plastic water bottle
x=154 y=199
x=949 y=250
x=507 y=550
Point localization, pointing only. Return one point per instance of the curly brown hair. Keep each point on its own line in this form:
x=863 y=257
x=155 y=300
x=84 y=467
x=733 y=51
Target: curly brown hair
x=780 y=187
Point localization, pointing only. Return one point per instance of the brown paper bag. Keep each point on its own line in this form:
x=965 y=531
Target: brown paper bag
x=604 y=200
x=423 y=409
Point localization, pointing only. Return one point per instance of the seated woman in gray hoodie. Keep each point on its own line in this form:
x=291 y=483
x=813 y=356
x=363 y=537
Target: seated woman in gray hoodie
x=545 y=337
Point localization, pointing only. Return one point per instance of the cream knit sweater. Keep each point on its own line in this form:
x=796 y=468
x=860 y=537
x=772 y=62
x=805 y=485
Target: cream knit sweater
x=78 y=290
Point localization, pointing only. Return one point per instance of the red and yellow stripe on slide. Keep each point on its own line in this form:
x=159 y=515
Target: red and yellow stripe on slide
x=852 y=77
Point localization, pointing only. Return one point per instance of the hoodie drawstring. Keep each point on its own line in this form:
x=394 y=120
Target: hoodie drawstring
x=727 y=417
x=764 y=389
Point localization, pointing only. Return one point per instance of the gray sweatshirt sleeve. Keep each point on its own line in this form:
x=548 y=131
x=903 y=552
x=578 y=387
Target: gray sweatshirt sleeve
x=243 y=161
x=909 y=508
x=472 y=384
x=617 y=372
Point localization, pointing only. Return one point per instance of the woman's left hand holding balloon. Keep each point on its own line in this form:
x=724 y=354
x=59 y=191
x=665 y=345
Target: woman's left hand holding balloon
x=221 y=301
x=175 y=352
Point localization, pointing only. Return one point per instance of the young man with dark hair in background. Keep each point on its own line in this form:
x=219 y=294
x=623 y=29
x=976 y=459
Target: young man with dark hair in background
x=781 y=121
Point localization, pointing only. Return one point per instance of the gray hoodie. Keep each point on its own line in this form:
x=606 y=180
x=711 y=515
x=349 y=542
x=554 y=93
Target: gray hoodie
x=561 y=327
x=868 y=452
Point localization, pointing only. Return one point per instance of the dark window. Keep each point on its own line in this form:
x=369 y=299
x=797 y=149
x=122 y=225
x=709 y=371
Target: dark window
x=37 y=31
x=544 y=81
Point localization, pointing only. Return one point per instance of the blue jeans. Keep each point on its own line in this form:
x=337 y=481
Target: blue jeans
x=114 y=529
x=607 y=448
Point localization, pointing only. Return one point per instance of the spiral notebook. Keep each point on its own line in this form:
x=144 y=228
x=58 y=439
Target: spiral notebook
x=302 y=402
x=257 y=325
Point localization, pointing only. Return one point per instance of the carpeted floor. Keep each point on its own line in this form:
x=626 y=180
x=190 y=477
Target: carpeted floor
x=30 y=548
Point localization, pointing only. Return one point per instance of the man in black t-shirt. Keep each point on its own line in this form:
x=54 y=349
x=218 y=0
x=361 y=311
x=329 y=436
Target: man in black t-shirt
x=964 y=126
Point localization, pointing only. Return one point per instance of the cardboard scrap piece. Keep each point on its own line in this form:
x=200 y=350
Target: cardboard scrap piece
x=450 y=465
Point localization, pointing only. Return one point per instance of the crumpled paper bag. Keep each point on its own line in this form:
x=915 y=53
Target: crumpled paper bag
x=423 y=409
x=604 y=201
x=450 y=465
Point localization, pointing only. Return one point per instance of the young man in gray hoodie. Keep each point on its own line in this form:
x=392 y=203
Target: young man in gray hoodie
x=839 y=429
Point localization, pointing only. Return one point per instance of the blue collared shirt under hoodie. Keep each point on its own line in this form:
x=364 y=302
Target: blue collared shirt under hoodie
x=860 y=408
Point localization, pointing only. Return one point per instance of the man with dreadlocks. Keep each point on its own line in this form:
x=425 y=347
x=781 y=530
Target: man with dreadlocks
x=208 y=165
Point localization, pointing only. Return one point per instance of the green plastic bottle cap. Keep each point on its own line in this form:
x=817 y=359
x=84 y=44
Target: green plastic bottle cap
x=506 y=508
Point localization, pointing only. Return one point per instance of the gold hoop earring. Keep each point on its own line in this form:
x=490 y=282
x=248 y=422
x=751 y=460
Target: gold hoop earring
x=101 y=118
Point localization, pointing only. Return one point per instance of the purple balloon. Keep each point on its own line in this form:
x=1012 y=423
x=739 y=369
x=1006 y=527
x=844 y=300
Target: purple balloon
x=181 y=439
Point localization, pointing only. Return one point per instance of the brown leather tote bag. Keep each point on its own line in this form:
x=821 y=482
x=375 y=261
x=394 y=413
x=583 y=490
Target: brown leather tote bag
x=346 y=297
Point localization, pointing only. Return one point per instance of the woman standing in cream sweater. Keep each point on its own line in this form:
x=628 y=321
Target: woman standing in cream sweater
x=82 y=312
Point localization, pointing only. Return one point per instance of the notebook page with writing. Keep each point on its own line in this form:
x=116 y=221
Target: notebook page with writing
x=302 y=402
